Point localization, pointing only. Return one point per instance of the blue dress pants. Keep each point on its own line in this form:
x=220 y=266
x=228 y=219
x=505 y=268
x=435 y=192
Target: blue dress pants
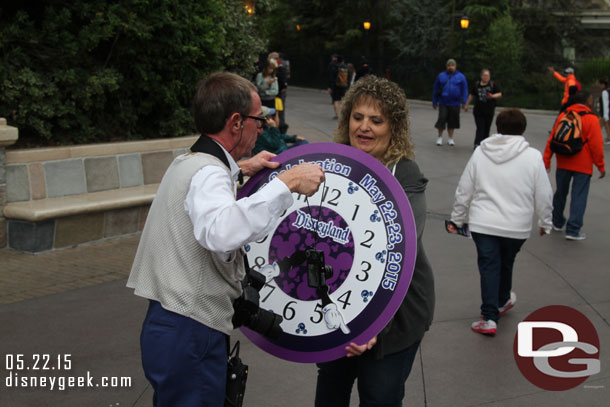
x=578 y=204
x=381 y=382
x=495 y=258
x=185 y=361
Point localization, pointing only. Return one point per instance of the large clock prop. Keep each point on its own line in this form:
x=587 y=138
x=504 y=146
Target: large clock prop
x=360 y=224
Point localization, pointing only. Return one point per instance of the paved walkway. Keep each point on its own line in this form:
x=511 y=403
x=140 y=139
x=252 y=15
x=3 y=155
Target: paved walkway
x=74 y=301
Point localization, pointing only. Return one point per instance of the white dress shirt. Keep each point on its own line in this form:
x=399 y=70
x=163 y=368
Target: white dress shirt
x=220 y=222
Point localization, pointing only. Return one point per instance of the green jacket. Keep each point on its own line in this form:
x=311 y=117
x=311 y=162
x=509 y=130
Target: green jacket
x=272 y=140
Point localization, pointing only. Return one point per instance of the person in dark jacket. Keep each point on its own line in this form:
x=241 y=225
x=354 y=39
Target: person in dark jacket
x=375 y=119
x=449 y=92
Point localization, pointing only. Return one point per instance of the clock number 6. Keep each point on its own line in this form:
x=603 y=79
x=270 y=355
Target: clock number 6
x=289 y=308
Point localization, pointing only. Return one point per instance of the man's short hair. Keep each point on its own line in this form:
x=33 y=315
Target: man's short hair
x=512 y=122
x=581 y=97
x=219 y=96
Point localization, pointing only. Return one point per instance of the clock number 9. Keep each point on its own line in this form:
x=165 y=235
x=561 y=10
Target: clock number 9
x=287 y=308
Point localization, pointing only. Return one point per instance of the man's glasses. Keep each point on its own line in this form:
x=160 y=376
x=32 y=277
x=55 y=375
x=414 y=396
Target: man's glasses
x=261 y=120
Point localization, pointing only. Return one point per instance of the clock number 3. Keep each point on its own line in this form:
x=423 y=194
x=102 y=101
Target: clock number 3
x=364 y=270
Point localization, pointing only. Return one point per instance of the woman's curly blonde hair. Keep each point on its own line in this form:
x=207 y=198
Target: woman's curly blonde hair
x=392 y=102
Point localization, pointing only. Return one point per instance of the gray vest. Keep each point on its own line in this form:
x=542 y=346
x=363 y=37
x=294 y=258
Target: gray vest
x=172 y=267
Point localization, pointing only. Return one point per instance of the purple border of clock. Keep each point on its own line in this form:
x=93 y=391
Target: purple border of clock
x=410 y=250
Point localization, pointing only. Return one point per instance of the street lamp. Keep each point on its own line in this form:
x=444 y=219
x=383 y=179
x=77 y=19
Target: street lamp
x=464 y=23
x=367 y=27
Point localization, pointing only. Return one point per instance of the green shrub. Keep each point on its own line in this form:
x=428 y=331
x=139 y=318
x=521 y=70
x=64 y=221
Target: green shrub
x=81 y=71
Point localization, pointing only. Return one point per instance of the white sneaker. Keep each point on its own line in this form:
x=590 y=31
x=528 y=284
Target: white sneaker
x=579 y=236
x=556 y=229
x=439 y=141
x=509 y=304
x=484 y=327
x=451 y=142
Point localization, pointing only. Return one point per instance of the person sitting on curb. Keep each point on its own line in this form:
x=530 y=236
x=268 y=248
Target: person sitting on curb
x=271 y=139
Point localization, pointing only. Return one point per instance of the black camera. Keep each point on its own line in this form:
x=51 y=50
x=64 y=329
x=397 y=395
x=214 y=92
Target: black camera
x=317 y=270
x=249 y=314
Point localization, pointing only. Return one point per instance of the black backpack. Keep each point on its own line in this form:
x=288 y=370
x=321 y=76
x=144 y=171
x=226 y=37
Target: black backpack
x=567 y=138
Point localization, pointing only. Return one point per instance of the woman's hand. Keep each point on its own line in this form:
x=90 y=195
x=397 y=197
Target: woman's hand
x=357 y=350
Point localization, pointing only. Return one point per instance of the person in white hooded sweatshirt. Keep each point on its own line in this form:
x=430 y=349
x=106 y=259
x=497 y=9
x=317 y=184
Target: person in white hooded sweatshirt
x=502 y=185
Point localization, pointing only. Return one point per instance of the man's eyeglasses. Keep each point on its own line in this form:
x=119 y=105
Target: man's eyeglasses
x=261 y=121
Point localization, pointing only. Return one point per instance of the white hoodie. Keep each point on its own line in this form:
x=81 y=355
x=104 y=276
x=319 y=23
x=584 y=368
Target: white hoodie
x=502 y=184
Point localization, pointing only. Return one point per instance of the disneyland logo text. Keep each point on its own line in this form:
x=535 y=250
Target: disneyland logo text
x=324 y=229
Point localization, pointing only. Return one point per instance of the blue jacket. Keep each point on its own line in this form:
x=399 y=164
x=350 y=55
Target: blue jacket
x=450 y=89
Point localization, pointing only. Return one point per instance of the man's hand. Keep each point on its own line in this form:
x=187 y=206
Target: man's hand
x=299 y=138
x=602 y=174
x=434 y=106
x=271 y=122
x=550 y=69
x=465 y=107
x=334 y=319
x=253 y=165
x=304 y=179
x=357 y=350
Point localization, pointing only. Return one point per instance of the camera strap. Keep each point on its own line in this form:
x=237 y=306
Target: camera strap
x=237 y=375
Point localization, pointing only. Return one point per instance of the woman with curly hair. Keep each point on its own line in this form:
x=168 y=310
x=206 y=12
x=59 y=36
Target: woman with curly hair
x=375 y=119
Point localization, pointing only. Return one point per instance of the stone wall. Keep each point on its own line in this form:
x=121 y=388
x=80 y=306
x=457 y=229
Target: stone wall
x=8 y=136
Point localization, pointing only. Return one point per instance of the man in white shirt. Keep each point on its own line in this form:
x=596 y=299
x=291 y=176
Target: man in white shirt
x=190 y=261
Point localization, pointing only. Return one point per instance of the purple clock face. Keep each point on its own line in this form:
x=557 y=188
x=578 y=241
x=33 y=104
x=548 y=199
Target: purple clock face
x=362 y=222
x=292 y=235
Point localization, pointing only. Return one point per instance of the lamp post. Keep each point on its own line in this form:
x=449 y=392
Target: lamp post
x=367 y=27
x=464 y=23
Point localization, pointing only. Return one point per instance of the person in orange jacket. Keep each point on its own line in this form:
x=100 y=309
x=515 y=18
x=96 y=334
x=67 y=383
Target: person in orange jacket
x=577 y=168
x=571 y=85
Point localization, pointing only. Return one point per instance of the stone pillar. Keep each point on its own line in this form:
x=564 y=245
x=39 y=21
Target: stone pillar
x=8 y=136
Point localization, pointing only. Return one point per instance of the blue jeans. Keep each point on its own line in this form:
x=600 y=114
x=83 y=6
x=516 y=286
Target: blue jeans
x=381 y=382
x=495 y=257
x=185 y=361
x=578 y=204
x=298 y=143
